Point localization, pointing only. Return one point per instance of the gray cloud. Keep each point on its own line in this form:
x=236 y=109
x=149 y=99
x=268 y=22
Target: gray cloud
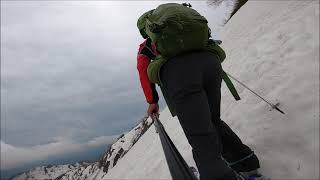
x=66 y=67
x=20 y=156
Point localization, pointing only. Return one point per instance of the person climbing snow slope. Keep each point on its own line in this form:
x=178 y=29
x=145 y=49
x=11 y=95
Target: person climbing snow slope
x=190 y=77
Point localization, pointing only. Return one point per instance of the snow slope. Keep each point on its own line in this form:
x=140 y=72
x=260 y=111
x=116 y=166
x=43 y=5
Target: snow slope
x=273 y=47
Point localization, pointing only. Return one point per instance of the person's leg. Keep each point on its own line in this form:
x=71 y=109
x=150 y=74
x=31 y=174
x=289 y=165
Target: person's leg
x=194 y=116
x=183 y=83
x=239 y=156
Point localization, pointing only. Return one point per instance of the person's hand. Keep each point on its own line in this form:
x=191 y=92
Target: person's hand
x=153 y=109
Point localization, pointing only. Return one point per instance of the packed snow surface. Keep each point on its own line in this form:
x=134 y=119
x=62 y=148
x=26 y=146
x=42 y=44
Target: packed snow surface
x=272 y=47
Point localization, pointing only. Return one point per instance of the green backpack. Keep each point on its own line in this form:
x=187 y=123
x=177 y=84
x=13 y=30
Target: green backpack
x=176 y=28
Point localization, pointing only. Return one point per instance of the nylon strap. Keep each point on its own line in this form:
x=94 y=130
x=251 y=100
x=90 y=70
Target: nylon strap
x=230 y=86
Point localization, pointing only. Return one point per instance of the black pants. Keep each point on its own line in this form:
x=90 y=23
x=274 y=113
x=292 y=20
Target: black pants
x=193 y=84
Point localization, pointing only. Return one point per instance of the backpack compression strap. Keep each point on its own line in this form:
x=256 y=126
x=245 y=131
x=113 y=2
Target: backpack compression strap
x=230 y=86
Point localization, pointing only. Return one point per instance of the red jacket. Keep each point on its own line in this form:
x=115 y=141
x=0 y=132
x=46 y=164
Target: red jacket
x=146 y=52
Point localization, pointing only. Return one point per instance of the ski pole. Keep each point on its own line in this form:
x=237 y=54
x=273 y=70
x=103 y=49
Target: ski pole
x=274 y=106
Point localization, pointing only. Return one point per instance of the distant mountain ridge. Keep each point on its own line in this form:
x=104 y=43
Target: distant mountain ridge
x=87 y=170
x=53 y=171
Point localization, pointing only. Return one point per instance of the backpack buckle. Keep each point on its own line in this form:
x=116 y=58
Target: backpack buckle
x=187 y=5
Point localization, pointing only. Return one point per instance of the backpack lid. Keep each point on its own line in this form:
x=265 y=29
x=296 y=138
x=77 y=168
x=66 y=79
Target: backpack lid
x=141 y=23
x=175 y=12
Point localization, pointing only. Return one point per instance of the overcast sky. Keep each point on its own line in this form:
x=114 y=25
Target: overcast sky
x=68 y=74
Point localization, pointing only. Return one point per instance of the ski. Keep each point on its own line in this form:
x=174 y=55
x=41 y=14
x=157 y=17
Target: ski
x=178 y=167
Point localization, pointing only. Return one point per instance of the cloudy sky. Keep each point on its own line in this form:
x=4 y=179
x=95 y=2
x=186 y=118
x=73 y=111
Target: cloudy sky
x=68 y=74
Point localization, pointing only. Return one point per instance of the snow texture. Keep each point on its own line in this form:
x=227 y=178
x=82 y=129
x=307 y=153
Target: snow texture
x=272 y=47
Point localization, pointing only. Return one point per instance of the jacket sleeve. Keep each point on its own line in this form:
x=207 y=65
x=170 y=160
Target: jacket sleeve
x=149 y=88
